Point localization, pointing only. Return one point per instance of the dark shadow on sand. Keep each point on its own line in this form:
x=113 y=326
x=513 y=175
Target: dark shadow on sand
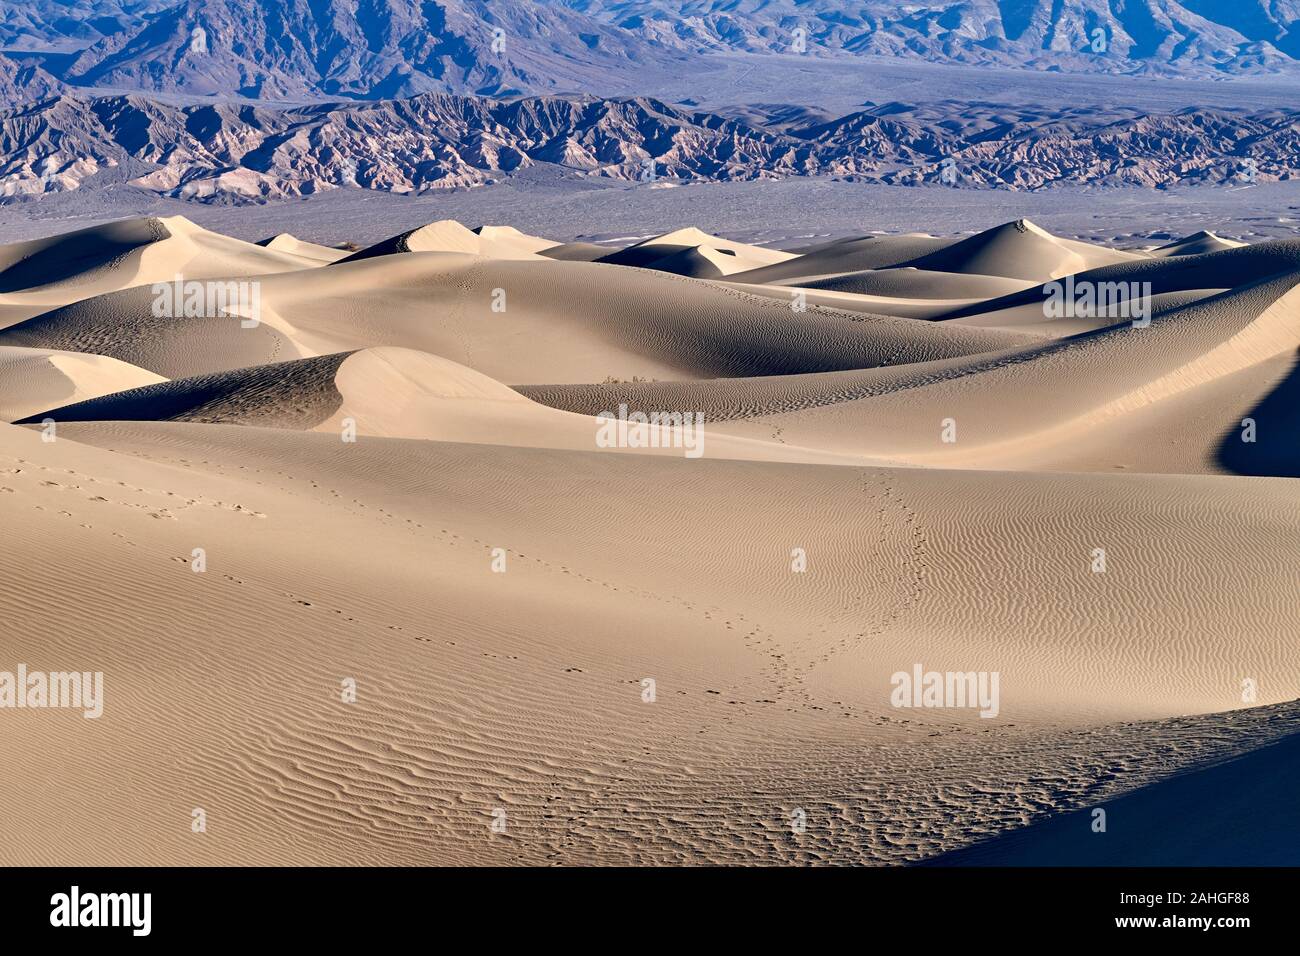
x=1238 y=813
x=1275 y=452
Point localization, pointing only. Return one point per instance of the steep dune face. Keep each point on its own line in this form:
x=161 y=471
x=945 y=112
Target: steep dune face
x=576 y=251
x=1247 y=794
x=507 y=242
x=997 y=262
x=1262 y=324
x=392 y=471
x=698 y=262
x=1032 y=317
x=1124 y=367
x=842 y=256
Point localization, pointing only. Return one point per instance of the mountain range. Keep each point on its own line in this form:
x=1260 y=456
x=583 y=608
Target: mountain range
x=374 y=49
x=244 y=153
x=1101 y=35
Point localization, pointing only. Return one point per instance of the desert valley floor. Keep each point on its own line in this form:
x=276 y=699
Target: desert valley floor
x=568 y=653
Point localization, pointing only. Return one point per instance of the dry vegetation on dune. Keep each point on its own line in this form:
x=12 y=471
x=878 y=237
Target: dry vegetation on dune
x=475 y=547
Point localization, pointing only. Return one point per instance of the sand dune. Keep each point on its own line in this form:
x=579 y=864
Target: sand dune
x=498 y=242
x=43 y=274
x=122 y=325
x=690 y=252
x=995 y=262
x=1196 y=244
x=1018 y=250
x=514 y=321
x=1009 y=410
x=846 y=255
x=399 y=393
x=1249 y=797
x=284 y=242
x=35 y=379
x=913 y=283
x=898 y=306
x=1030 y=317
x=767 y=682
x=576 y=251
x=507 y=242
x=134 y=252
x=630 y=653
x=1224 y=269
x=297 y=394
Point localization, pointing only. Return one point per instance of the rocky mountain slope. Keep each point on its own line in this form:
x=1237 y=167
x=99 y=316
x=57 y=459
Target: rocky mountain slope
x=1160 y=36
x=230 y=153
x=20 y=82
x=372 y=49
x=70 y=24
x=286 y=49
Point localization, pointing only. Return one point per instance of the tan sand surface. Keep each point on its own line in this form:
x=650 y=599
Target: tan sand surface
x=392 y=482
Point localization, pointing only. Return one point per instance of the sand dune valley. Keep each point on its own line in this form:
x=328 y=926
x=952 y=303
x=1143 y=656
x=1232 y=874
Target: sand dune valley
x=479 y=547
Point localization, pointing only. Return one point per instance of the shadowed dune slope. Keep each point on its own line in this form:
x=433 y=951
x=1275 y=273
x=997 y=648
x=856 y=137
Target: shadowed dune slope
x=1233 y=812
x=298 y=394
x=917 y=283
x=576 y=251
x=122 y=325
x=1036 y=318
